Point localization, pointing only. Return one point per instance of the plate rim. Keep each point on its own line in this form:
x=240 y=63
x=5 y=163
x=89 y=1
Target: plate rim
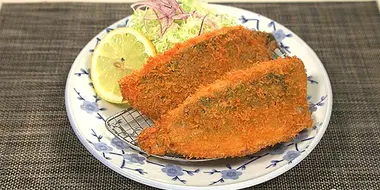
x=237 y=185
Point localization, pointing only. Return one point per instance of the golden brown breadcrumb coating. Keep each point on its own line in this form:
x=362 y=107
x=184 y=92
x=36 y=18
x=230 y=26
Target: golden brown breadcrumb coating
x=242 y=113
x=169 y=78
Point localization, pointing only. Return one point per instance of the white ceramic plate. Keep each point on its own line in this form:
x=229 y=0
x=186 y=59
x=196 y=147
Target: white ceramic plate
x=87 y=113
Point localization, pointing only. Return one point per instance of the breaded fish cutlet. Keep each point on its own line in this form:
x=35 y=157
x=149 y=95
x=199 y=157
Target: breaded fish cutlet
x=239 y=115
x=169 y=78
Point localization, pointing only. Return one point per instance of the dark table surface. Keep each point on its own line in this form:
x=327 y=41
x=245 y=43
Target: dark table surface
x=39 y=42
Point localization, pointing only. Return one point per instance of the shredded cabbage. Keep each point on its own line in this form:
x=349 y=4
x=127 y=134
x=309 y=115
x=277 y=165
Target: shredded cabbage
x=180 y=30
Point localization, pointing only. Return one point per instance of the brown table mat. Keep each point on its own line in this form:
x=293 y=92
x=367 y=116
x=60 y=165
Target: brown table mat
x=39 y=42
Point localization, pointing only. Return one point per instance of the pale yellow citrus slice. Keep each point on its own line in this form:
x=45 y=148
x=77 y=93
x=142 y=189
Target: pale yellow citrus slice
x=118 y=54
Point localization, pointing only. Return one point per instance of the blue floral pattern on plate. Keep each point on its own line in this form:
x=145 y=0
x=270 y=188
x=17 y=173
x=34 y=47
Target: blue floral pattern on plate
x=87 y=113
x=134 y=158
x=174 y=171
x=118 y=144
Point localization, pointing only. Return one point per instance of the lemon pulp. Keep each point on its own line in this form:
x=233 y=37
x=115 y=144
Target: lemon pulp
x=118 y=54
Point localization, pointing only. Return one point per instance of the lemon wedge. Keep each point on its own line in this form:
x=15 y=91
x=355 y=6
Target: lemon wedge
x=118 y=54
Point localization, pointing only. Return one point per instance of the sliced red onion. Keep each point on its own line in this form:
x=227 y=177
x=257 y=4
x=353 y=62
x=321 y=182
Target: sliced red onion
x=166 y=12
x=201 y=28
x=180 y=16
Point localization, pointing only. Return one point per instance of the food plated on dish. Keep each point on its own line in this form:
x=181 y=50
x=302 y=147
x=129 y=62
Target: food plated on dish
x=224 y=82
x=103 y=62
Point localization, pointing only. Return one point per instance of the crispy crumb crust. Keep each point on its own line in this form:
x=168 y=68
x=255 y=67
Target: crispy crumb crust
x=239 y=115
x=169 y=78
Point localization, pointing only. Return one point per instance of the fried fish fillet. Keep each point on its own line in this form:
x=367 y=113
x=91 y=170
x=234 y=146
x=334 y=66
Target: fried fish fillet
x=239 y=115
x=168 y=79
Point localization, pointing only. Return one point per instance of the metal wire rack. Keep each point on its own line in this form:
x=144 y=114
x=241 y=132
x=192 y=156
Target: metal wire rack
x=279 y=52
x=128 y=124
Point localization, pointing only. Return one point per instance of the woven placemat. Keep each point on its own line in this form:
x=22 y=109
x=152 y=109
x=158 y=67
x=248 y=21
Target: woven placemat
x=39 y=42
